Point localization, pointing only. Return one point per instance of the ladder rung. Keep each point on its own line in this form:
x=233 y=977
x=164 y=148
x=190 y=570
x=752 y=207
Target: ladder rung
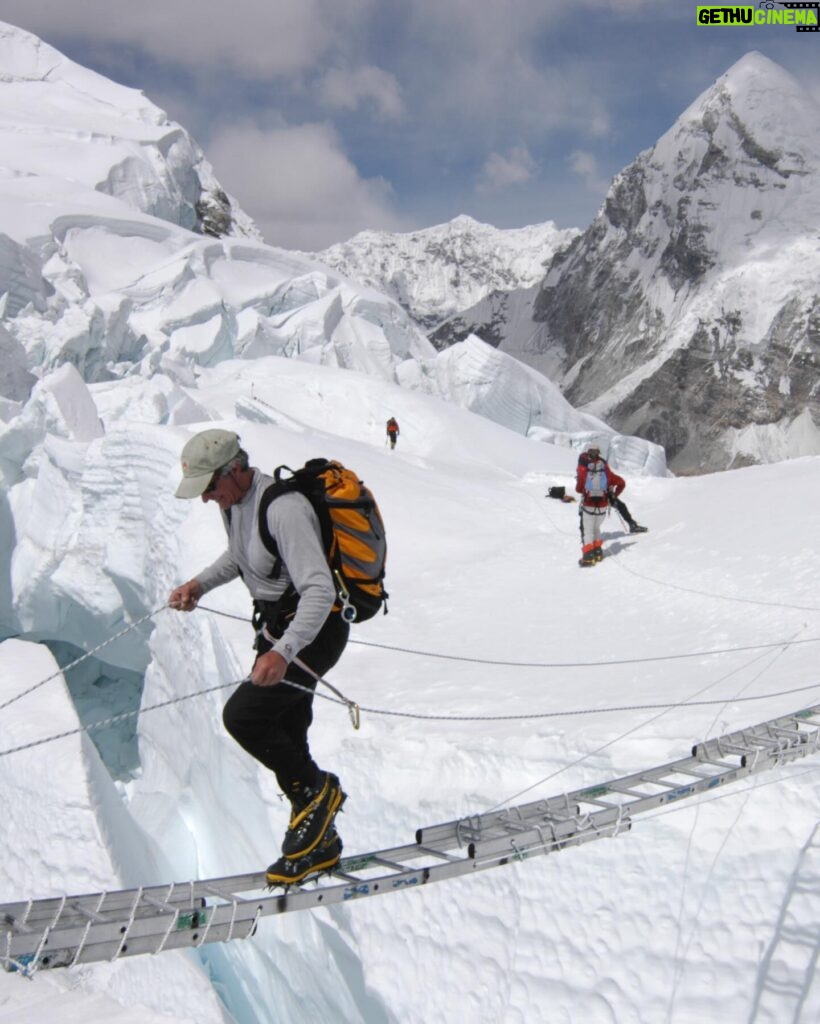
x=438 y=853
x=167 y=908
x=389 y=864
x=92 y=915
x=627 y=791
x=212 y=890
x=726 y=765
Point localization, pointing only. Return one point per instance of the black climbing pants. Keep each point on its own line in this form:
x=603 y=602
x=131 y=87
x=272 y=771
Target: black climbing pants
x=271 y=722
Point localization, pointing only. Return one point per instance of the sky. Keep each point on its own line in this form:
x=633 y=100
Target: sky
x=328 y=117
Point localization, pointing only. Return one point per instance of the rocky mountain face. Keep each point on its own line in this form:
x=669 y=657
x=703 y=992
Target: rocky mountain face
x=437 y=272
x=689 y=311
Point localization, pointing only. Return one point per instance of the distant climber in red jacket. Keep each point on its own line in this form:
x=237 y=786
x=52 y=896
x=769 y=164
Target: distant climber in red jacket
x=616 y=503
x=595 y=481
x=392 y=431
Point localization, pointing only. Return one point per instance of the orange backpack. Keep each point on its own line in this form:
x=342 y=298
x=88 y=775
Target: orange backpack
x=352 y=532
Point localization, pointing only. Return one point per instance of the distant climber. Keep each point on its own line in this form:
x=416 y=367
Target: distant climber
x=615 y=501
x=595 y=481
x=392 y=431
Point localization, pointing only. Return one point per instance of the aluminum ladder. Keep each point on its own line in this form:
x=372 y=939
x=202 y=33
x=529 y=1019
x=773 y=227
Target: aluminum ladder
x=69 y=930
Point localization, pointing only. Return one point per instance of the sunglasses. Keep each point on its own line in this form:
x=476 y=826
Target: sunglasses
x=215 y=480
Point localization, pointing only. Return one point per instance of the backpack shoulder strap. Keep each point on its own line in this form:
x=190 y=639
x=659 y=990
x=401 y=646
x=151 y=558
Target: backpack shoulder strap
x=269 y=495
x=304 y=481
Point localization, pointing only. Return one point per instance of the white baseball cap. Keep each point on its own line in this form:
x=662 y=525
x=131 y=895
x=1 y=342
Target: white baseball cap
x=202 y=456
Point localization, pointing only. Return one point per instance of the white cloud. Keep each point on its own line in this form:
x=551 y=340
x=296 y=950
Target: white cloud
x=500 y=172
x=347 y=89
x=256 y=38
x=303 y=191
x=585 y=166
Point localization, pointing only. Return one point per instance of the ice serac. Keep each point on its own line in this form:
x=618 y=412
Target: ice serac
x=77 y=836
x=689 y=310
x=113 y=139
x=494 y=385
x=121 y=252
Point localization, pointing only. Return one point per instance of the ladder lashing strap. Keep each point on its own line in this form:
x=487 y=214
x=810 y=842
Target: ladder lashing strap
x=171 y=925
x=234 y=906
x=127 y=928
x=93 y=915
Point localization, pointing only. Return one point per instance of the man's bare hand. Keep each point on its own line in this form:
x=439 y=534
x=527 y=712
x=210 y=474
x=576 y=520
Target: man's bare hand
x=186 y=597
x=269 y=669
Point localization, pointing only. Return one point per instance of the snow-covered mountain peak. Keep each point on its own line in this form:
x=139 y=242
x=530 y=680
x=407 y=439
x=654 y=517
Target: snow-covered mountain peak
x=24 y=58
x=436 y=272
x=702 y=266
x=760 y=93
x=755 y=125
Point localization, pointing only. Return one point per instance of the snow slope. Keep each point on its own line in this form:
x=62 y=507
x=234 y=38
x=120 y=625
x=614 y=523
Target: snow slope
x=703 y=913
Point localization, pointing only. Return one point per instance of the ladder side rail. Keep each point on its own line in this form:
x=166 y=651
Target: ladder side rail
x=789 y=722
x=553 y=834
x=75 y=913
x=231 y=921
x=450 y=831
x=684 y=765
x=602 y=818
x=747 y=766
x=249 y=912
x=115 y=936
x=114 y=901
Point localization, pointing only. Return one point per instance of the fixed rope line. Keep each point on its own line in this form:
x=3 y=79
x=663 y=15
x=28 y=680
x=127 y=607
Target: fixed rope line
x=355 y=710
x=588 y=664
x=105 y=722
x=500 y=663
x=719 y=597
x=82 y=657
x=640 y=725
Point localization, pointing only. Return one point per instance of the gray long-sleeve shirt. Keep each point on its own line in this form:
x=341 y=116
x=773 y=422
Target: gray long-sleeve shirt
x=295 y=526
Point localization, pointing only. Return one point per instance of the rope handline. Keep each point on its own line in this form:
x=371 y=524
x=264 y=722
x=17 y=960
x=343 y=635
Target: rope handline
x=634 y=729
x=498 y=663
x=354 y=709
x=420 y=716
x=105 y=722
x=88 y=654
x=719 y=597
